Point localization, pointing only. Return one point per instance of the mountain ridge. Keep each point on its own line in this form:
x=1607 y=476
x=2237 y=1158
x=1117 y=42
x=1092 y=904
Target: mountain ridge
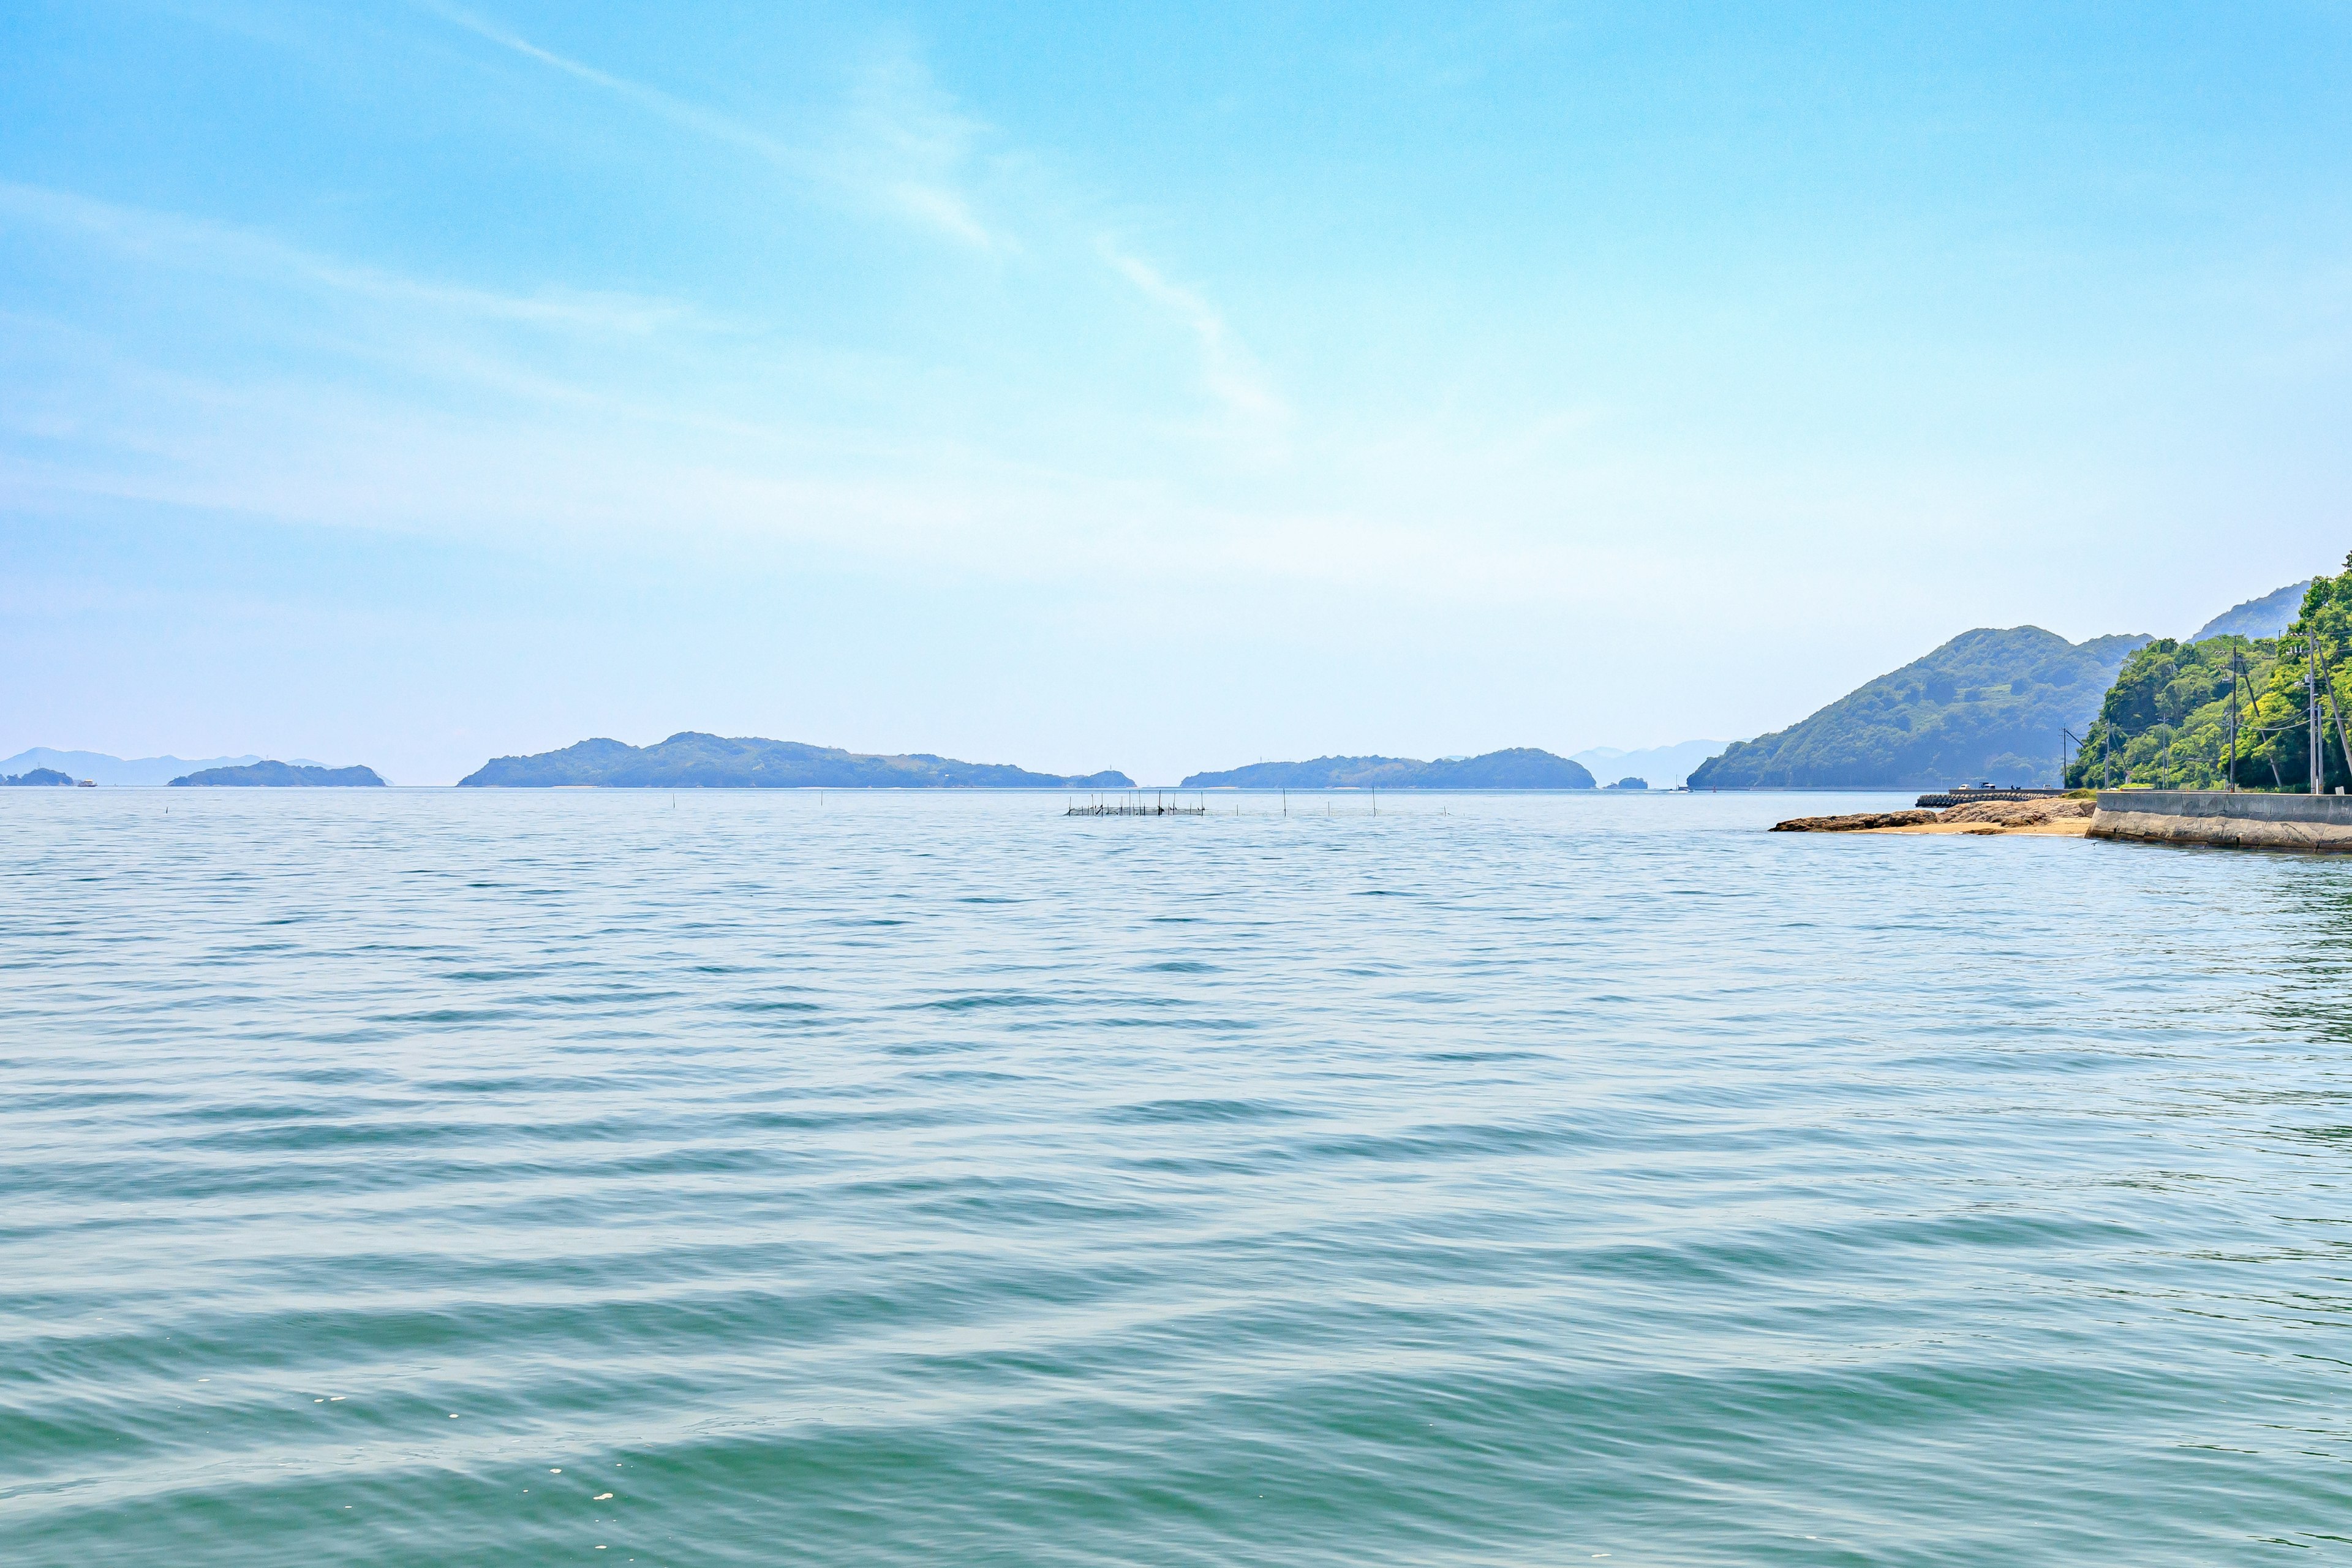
x=1665 y=767
x=2257 y=619
x=1988 y=703
x=1521 y=767
x=694 y=760
x=271 y=774
x=101 y=768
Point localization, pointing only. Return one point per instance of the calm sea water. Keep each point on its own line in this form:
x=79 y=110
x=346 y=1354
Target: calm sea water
x=452 y=1177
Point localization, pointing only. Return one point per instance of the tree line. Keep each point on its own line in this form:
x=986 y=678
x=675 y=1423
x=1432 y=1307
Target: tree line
x=2194 y=715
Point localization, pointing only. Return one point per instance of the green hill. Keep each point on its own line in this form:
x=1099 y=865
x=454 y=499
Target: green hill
x=1522 y=767
x=1988 y=704
x=691 y=760
x=2166 y=720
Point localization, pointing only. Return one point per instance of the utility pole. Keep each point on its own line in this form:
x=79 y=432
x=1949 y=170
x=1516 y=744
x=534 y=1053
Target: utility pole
x=2233 y=722
x=2318 y=735
x=2106 y=756
x=2342 y=740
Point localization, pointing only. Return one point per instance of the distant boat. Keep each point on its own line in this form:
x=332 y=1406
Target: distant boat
x=87 y=783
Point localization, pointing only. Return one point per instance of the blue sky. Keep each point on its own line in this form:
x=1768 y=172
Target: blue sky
x=1152 y=388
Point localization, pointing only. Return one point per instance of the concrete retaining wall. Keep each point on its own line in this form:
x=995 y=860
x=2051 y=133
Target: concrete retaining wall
x=2237 y=821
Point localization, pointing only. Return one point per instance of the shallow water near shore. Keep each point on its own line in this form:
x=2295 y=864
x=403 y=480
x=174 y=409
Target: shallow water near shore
x=391 y=1176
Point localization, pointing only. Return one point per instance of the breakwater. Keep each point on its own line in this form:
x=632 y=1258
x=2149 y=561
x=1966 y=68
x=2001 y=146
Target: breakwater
x=2320 y=822
x=1966 y=795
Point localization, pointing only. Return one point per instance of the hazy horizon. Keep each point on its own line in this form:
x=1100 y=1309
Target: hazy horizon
x=73 y=757
x=410 y=383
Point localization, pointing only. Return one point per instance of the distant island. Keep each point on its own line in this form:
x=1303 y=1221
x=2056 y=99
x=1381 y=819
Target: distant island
x=280 y=775
x=101 y=769
x=38 y=776
x=1988 y=704
x=1665 y=767
x=1522 y=767
x=692 y=761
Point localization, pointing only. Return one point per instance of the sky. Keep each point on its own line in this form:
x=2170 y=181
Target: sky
x=411 y=383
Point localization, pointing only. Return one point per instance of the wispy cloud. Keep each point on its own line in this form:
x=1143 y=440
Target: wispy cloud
x=908 y=146
x=678 y=111
x=606 y=413
x=902 y=147
x=1230 y=373
x=174 y=240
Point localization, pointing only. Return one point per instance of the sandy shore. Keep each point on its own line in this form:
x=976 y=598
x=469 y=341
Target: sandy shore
x=2057 y=817
x=2064 y=828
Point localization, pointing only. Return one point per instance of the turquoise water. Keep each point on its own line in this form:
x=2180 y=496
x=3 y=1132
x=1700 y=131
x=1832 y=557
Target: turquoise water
x=386 y=1176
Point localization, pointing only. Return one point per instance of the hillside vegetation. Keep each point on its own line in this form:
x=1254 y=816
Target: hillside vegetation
x=1988 y=704
x=2166 y=720
x=691 y=760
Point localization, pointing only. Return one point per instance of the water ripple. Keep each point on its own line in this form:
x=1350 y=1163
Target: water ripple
x=460 y=1177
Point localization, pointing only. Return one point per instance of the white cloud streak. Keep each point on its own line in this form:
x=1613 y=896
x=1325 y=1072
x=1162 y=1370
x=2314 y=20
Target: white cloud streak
x=904 y=149
x=1226 y=366
x=174 y=240
x=901 y=159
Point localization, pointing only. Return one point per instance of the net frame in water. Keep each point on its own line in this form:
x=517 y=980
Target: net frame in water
x=1158 y=806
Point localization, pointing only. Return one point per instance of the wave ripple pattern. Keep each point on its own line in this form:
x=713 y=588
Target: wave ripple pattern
x=471 y=1178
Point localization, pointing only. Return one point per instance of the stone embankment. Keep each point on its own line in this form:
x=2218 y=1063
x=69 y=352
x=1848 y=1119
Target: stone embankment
x=2055 y=817
x=2322 y=822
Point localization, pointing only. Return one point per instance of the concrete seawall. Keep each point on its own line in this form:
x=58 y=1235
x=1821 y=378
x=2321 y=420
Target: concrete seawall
x=2321 y=822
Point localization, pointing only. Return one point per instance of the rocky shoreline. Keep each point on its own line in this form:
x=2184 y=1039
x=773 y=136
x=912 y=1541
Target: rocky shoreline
x=2056 y=817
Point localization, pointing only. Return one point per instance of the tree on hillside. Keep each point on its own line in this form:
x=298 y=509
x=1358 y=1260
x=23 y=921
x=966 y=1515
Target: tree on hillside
x=2165 y=721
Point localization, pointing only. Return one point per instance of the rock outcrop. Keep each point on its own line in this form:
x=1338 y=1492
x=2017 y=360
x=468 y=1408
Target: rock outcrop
x=2056 y=814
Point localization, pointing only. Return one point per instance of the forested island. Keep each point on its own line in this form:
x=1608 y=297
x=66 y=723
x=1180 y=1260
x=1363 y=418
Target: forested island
x=280 y=775
x=1522 y=767
x=689 y=760
x=37 y=777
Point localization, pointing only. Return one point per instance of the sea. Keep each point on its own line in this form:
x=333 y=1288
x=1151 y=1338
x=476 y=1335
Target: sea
x=475 y=1177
